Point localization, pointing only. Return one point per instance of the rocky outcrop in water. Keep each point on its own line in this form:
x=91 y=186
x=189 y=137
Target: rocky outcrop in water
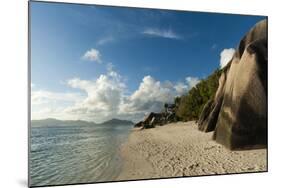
x=238 y=112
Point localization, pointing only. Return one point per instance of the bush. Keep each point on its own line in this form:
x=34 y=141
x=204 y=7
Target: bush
x=189 y=106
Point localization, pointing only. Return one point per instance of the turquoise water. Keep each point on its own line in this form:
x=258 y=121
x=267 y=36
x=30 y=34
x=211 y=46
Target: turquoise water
x=75 y=154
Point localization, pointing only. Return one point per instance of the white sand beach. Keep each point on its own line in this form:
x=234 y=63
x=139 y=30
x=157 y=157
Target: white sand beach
x=180 y=149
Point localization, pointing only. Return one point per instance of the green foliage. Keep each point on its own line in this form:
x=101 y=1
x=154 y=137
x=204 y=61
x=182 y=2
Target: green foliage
x=189 y=106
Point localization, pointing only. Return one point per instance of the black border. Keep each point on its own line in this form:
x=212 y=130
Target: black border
x=120 y=6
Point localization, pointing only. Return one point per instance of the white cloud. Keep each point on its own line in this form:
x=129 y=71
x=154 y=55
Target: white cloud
x=42 y=97
x=107 y=97
x=105 y=40
x=181 y=88
x=162 y=33
x=103 y=96
x=226 y=55
x=150 y=96
x=92 y=55
x=96 y=100
x=45 y=104
x=192 y=81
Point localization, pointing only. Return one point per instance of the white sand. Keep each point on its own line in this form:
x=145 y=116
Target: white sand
x=179 y=149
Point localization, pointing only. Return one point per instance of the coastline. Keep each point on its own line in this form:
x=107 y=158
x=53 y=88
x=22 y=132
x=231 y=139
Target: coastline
x=180 y=149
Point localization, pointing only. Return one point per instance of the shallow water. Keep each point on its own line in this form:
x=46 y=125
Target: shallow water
x=75 y=154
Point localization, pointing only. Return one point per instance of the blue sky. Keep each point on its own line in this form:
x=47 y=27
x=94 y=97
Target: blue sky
x=126 y=46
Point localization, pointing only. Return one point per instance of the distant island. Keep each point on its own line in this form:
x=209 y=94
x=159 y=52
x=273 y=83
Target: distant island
x=117 y=122
x=51 y=122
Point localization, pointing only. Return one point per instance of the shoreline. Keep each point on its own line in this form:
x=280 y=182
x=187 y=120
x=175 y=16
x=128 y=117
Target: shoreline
x=180 y=149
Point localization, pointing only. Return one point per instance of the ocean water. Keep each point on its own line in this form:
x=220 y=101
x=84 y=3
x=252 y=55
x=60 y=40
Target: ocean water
x=76 y=154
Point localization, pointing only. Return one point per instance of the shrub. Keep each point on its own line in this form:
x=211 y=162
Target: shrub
x=190 y=105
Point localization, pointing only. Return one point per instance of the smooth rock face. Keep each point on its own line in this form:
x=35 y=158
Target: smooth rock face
x=239 y=111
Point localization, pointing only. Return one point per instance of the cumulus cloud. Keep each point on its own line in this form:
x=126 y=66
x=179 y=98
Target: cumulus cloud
x=181 y=88
x=103 y=96
x=225 y=56
x=92 y=55
x=150 y=96
x=162 y=33
x=107 y=97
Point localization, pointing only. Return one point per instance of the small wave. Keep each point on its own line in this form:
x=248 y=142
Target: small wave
x=85 y=156
x=38 y=150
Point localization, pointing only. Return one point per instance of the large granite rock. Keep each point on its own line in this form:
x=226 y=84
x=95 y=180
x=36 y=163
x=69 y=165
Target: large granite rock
x=139 y=124
x=238 y=112
x=152 y=120
x=157 y=119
